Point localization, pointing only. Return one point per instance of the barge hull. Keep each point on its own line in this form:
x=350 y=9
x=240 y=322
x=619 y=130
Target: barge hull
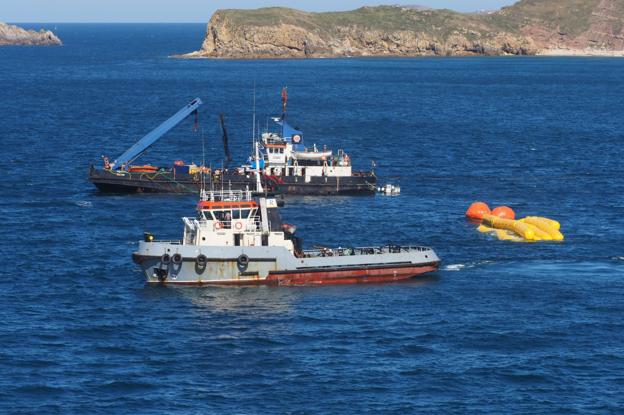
x=108 y=181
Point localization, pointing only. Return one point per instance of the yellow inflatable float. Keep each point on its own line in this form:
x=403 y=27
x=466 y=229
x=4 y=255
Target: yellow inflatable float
x=529 y=229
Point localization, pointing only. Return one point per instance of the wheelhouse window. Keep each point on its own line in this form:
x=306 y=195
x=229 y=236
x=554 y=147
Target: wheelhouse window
x=223 y=216
x=240 y=213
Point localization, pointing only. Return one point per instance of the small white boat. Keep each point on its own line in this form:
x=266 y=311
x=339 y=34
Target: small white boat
x=389 y=190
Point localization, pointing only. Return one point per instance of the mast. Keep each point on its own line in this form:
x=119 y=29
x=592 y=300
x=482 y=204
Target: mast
x=284 y=102
x=254 y=143
x=202 y=192
x=258 y=183
x=253 y=123
x=226 y=146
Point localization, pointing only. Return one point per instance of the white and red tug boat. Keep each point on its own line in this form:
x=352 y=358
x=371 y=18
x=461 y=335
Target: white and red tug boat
x=239 y=239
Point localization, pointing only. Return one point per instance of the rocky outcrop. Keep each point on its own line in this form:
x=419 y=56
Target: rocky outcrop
x=230 y=34
x=529 y=27
x=576 y=27
x=14 y=35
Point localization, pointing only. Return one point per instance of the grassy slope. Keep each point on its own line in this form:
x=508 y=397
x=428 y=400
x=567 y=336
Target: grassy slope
x=439 y=23
x=566 y=16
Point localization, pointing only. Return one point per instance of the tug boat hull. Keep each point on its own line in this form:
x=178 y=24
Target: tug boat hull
x=354 y=276
x=277 y=266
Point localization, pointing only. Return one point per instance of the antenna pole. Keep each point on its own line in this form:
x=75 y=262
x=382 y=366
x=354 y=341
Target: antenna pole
x=203 y=165
x=284 y=102
x=253 y=124
x=258 y=183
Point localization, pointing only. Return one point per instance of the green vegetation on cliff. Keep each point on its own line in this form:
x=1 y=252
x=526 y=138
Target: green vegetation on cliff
x=442 y=22
x=527 y=27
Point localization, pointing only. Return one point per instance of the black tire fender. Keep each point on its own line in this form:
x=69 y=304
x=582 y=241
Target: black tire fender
x=201 y=260
x=242 y=261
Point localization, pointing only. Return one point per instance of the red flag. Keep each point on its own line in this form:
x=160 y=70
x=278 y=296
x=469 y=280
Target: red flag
x=284 y=98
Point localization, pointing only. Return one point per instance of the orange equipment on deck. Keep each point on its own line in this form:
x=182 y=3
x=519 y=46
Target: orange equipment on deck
x=143 y=169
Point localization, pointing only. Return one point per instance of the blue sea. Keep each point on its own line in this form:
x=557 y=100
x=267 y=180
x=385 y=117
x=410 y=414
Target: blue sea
x=502 y=328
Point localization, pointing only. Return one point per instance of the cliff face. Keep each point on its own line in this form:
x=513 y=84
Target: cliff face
x=578 y=26
x=526 y=28
x=13 y=35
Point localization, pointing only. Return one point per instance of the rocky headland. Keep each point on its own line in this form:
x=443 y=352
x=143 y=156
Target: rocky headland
x=14 y=35
x=529 y=27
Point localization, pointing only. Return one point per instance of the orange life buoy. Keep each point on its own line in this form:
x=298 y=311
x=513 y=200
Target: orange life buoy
x=238 y=225
x=218 y=225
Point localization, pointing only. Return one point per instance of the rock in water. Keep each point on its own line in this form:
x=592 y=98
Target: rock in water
x=14 y=35
x=528 y=27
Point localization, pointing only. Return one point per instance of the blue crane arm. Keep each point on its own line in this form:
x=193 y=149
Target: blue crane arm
x=143 y=144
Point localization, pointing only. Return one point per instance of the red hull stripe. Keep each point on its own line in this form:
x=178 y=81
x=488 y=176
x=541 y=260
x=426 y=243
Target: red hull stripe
x=354 y=276
x=361 y=267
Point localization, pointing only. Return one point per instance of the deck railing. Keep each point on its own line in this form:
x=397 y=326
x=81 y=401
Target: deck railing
x=368 y=250
x=178 y=242
x=253 y=223
x=226 y=195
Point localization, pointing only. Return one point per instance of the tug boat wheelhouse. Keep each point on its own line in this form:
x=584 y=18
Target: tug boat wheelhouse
x=289 y=167
x=238 y=239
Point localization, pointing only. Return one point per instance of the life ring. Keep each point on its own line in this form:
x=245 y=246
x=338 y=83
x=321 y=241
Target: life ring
x=218 y=225
x=201 y=260
x=296 y=138
x=238 y=225
x=176 y=259
x=242 y=261
x=165 y=259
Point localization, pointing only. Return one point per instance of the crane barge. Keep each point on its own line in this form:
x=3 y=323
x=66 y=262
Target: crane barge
x=285 y=164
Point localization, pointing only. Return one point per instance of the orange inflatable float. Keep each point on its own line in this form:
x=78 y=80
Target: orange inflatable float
x=504 y=212
x=477 y=210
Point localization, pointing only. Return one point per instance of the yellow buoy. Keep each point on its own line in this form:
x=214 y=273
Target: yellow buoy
x=549 y=226
x=502 y=234
x=484 y=229
x=551 y=222
x=539 y=233
x=520 y=228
